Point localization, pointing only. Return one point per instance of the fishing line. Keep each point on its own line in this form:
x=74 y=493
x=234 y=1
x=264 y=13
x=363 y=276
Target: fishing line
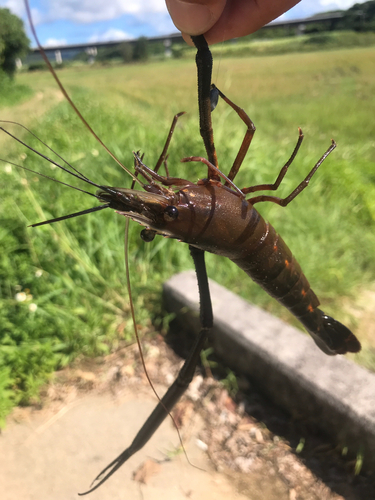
x=221 y=45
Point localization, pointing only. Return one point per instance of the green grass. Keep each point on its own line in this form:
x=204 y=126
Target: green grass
x=256 y=45
x=74 y=271
x=11 y=92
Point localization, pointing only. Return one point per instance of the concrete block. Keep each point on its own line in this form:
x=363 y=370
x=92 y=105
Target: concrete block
x=331 y=392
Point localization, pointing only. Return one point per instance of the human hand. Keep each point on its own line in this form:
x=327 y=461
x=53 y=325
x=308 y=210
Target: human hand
x=221 y=20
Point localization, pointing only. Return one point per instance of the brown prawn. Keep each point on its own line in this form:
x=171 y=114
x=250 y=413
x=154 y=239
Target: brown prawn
x=214 y=215
x=217 y=218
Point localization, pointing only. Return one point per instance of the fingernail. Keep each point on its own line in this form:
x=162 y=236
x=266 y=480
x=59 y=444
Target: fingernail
x=190 y=18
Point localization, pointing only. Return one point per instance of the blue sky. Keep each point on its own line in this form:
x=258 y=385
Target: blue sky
x=84 y=21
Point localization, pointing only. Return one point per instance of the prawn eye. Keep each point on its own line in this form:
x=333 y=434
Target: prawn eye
x=170 y=213
x=147 y=235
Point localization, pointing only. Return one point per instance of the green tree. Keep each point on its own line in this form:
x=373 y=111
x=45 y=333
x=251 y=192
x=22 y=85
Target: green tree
x=126 y=51
x=13 y=41
x=140 y=52
x=360 y=17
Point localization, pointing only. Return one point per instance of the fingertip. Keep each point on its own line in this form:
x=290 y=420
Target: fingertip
x=195 y=17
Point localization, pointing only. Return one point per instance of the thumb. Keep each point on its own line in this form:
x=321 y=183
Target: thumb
x=195 y=17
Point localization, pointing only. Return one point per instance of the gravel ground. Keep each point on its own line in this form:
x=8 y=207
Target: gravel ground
x=250 y=448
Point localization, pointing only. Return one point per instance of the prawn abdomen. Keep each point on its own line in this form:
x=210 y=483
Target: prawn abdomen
x=273 y=267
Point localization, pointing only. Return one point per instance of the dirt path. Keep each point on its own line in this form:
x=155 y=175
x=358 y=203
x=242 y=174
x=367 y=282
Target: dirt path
x=92 y=411
x=54 y=458
x=27 y=113
x=87 y=419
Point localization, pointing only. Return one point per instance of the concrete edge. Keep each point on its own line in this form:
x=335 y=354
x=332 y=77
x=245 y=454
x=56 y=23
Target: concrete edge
x=330 y=392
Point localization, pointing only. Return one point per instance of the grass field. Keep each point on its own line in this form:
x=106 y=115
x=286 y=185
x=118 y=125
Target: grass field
x=71 y=275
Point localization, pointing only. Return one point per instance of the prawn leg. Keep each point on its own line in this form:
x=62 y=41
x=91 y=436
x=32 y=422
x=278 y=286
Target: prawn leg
x=249 y=134
x=283 y=202
x=164 y=156
x=283 y=171
x=186 y=374
x=182 y=381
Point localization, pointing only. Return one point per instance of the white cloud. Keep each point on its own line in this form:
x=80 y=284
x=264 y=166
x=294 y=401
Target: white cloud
x=325 y=5
x=89 y=11
x=15 y=6
x=110 y=35
x=339 y=4
x=162 y=24
x=307 y=8
x=55 y=42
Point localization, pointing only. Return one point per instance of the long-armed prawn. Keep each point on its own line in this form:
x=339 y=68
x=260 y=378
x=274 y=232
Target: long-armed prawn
x=214 y=215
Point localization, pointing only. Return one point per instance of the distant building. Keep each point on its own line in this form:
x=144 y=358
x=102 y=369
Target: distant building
x=69 y=52
x=328 y=21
